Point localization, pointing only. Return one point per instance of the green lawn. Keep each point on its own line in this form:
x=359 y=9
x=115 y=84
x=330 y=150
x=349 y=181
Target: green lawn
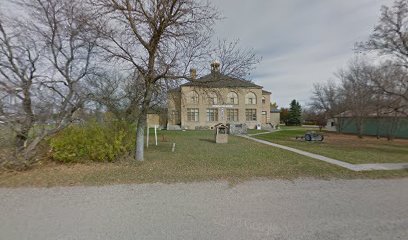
x=348 y=148
x=196 y=158
x=254 y=131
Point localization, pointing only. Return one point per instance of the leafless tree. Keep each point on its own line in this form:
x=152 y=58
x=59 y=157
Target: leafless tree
x=390 y=39
x=368 y=88
x=19 y=60
x=390 y=82
x=159 y=40
x=235 y=61
x=358 y=98
x=390 y=34
x=326 y=98
x=119 y=93
x=360 y=93
x=48 y=65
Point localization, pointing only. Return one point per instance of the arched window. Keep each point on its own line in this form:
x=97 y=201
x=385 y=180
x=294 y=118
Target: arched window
x=212 y=98
x=192 y=97
x=250 y=98
x=232 y=98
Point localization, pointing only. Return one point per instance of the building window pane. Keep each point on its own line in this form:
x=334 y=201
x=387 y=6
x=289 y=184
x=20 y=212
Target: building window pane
x=232 y=98
x=250 y=99
x=232 y=115
x=212 y=98
x=192 y=114
x=175 y=116
x=250 y=114
x=212 y=114
x=193 y=97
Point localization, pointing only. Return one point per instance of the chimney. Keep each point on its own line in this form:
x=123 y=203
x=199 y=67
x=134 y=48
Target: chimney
x=193 y=73
x=215 y=67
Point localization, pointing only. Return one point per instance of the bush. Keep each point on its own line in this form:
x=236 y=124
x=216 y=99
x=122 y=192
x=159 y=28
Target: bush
x=7 y=137
x=92 y=141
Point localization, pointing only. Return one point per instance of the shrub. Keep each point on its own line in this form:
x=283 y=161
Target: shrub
x=92 y=141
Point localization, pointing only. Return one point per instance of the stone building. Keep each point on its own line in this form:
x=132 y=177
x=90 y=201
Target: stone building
x=217 y=98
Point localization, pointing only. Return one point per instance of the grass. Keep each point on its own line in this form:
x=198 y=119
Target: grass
x=196 y=158
x=255 y=131
x=348 y=148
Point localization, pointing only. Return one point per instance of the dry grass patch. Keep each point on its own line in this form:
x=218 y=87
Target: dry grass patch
x=197 y=158
x=347 y=148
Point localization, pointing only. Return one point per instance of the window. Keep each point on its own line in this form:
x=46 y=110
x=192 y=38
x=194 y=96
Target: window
x=232 y=115
x=192 y=114
x=332 y=124
x=250 y=114
x=263 y=100
x=232 y=98
x=263 y=112
x=175 y=116
x=212 y=98
x=212 y=114
x=250 y=98
x=193 y=97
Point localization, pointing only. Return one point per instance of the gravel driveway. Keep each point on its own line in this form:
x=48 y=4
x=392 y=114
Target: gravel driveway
x=270 y=209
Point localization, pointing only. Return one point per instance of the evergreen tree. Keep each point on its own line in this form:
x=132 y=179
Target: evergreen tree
x=295 y=113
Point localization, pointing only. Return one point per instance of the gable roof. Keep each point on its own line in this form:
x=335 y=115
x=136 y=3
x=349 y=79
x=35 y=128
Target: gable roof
x=218 y=80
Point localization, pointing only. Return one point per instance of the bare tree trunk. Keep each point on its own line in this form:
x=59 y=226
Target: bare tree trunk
x=359 y=125
x=393 y=128
x=141 y=125
x=21 y=138
x=30 y=150
x=27 y=124
x=339 y=125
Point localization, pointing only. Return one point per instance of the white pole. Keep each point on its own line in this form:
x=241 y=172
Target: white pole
x=174 y=147
x=147 y=137
x=155 y=133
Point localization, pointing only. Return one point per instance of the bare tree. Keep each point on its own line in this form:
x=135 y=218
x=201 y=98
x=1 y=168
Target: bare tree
x=234 y=61
x=358 y=98
x=391 y=83
x=19 y=60
x=390 y=39
x=159 y=40
x=47 y=66
x=327 y=98
x=119 y=93
x=390 y=34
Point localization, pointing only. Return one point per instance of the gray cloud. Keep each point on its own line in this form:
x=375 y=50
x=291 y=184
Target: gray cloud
x=301 y=42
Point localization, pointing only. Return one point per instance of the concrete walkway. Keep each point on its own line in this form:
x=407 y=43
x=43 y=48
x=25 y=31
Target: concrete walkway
x=262 y=133
x=353 y=167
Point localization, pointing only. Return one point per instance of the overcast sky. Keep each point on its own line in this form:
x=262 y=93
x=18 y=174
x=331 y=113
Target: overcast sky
x=301 y=41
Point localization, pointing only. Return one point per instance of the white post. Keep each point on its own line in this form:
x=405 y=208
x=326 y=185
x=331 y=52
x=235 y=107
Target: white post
x=147 y=137
x=155 y=133
x=174 y=147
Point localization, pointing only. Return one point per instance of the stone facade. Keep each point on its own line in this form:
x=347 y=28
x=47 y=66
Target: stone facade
x=202 y=107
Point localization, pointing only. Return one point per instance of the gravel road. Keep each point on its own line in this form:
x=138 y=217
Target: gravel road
x=270 y=209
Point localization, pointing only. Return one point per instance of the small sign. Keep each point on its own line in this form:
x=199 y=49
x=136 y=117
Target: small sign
x=222 y=106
